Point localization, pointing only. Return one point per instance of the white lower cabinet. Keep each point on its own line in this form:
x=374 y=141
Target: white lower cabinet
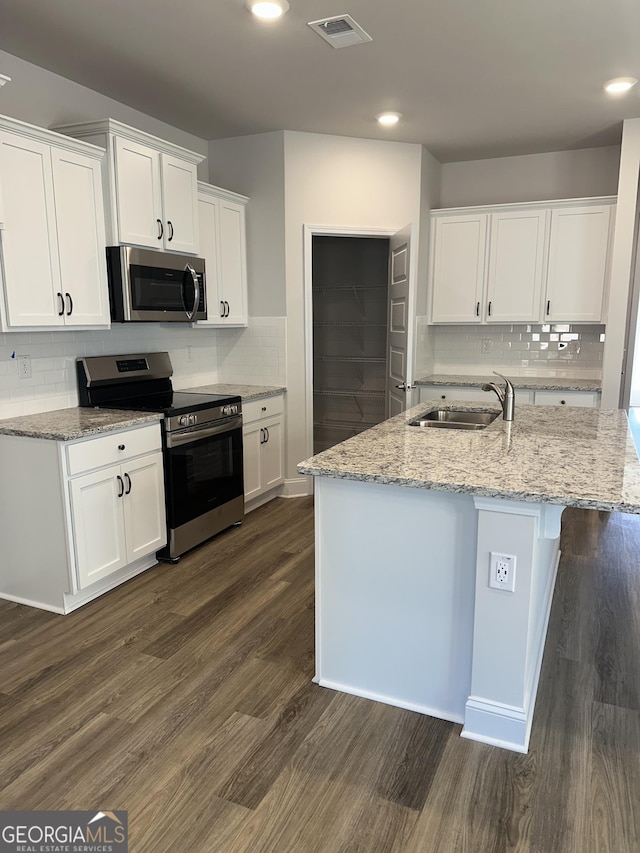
x=585 y=399
x=118 y=516
x=263 y=445
x=452 y=393
x=98 y=509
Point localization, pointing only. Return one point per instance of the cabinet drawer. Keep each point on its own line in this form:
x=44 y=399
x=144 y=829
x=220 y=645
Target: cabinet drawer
x=265 y=407
x=565 y=398
x=467 y=395
x=112 y=448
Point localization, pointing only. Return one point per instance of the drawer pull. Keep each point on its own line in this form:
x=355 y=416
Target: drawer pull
x=264 y=408
x=121 y=447
x=563 y=402
x=443 y=396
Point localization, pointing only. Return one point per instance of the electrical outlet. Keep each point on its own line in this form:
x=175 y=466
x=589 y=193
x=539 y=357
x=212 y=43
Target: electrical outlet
x=502 y=572
x=24 y=366
x=487 y=345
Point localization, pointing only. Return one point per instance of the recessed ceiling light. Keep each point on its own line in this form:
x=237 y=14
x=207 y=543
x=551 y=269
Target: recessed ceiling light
x=389 y=119
x=268 y=9
x=619 y=85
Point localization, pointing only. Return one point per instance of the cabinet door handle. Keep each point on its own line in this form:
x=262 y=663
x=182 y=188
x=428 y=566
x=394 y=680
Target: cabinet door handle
x=160 y=229
x=266 y=429
x=121 y=484
x=228 y=311
x=70 y=308
x=128 y=478
x=170 y=224
x=477 y=309
x=221 y=308
x=261 y=435
x=61 y=298
x=489 y=312
x=548 y=307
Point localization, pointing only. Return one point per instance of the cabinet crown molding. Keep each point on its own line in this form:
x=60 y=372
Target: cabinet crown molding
x=525 y=205
x=50 y=137
x=111 y=127
x=218 y=192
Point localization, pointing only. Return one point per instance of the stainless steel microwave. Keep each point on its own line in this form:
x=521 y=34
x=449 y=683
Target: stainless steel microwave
x=155 y=287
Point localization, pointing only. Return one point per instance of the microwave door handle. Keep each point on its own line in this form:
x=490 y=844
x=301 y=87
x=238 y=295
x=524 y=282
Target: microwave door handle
x=189 y=270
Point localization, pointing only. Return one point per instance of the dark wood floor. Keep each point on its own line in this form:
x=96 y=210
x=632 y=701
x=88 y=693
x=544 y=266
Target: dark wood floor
x=185 y=696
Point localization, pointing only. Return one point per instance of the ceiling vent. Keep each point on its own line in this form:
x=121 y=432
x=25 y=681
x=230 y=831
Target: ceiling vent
x=340 y=31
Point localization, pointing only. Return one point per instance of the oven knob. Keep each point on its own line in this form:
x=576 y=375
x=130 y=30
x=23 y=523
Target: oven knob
x=193 y=420
x=183 y=420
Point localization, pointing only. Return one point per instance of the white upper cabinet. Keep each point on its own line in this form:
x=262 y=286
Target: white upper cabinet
x=514 y=284
x=521 y=263
x=151 y=187
x=223 y=246
x=53 y=239
x=578 y=263
x=458 y=261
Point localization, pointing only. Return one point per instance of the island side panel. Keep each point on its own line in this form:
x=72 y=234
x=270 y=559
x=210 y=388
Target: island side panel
x=510 y=626
x=395 y=579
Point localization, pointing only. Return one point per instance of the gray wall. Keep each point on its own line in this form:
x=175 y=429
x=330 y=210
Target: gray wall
x=39 y=97
x=254 y=166
x=532 y=177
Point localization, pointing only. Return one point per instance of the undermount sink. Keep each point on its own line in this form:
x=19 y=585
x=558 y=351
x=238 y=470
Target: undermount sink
x=455 y=419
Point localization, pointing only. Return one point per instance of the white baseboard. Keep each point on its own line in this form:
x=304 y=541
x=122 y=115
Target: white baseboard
x=495 y=724
x=297 y=487
x=390 y=700
x=18 y=599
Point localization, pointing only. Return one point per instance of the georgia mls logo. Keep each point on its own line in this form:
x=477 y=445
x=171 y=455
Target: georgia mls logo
x=63 y=832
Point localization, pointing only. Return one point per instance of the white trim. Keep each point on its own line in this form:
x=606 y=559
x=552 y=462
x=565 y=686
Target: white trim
x=298 y=487
x=496 y=724
x=219 y=192
x=18 y=599
x=50 y=137
x=110 y=126
x=508 y=506
x=531 y=688
x=309 y=232
x=84 y=596
x=390 y=700
x=525 y=205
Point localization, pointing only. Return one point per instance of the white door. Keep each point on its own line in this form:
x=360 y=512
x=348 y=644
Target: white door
x=399 y=331
x=144 y=512
x=81 y=238
x=98 y=524
x=272 y=463
x=208 y=229
x=516 y=255
x=233 y=273
x=577 y=264
x=458 y=261
x=252 y=438
x=180 y=204
x=29 y=240
x=138 y=194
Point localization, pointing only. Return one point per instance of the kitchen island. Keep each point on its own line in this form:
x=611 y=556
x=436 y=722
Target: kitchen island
x=407 y=521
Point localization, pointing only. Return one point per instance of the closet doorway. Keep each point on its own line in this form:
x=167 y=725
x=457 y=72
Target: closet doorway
x=349 y=284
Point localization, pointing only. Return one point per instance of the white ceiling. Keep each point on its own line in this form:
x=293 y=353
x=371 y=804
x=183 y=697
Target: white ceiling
x=472 y=78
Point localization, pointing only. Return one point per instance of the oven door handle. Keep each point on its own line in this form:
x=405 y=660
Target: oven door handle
x=176 y=439
x=189 y=270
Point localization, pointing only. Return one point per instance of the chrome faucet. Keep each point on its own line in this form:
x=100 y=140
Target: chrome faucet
x=507 y=396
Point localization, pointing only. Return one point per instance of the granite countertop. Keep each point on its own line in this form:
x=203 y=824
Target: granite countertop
x=247 y=392
x=528 y=383
x=70 y=424
x=549 y=454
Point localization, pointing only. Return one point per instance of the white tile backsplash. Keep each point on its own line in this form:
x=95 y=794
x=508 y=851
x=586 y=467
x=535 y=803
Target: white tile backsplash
x=560 y=350
x=200 y=356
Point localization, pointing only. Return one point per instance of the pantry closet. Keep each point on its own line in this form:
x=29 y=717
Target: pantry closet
x=349 y=288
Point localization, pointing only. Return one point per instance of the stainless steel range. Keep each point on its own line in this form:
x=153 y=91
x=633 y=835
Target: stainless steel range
x=202 y=441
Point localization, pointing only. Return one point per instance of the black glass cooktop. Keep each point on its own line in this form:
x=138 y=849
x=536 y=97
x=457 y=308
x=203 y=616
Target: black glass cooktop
x=172 y=402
